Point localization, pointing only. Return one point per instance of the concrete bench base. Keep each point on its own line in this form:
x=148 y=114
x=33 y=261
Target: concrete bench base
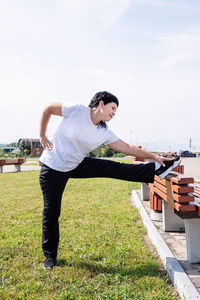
x=17 y=168
x=192 y=229
x=171 y=222
x=145 y=192
x=156 y=215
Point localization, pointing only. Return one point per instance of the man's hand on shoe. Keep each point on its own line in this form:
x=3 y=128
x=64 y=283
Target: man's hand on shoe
x=161 y=159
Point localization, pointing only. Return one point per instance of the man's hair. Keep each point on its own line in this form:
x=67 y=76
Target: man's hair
x=106 y=98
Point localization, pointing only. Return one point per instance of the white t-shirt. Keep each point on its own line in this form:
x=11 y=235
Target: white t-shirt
x=75 y=137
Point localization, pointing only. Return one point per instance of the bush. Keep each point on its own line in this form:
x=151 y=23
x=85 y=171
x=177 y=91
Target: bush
x=118 y=154
x=25 y=148
x=104 y=151
x=1 y=152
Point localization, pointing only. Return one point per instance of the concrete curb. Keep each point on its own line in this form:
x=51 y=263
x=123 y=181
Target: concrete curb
x=179 y=278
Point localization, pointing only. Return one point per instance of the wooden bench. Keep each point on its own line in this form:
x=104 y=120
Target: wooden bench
x=178 y=198
x=17 y=162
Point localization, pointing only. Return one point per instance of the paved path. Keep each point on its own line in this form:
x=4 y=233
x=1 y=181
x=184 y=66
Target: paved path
x=177 y=244
x=191 y=166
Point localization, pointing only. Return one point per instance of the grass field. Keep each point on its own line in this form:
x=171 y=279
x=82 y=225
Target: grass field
x=102 y=253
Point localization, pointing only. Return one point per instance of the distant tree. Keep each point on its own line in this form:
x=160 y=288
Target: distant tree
x=11 y=145
x=104 y=151
x=97 y=152
x=25 y=147
x=2 y=153
x=91 y=154
x=109 y=152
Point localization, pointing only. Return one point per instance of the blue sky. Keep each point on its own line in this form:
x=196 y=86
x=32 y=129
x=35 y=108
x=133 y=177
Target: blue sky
x=146 y=52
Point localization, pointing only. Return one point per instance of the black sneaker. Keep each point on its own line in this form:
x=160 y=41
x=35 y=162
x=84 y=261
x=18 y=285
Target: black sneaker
x=162 y=172
x=49 y=263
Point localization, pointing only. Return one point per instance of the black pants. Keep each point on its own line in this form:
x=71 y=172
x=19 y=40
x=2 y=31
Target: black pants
x=53 y=182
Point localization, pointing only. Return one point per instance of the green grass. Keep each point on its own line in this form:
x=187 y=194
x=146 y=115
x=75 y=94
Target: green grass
x=102 y=253
x=31 y=164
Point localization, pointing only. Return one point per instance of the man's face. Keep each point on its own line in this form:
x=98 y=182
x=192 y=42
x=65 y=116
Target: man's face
x=108 y=111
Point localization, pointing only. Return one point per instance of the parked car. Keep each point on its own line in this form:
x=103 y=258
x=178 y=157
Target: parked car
x=187 y=154
x=198 y=155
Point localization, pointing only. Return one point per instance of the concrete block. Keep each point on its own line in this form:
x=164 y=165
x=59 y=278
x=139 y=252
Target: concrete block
x=145 y=191
x=156 y=215
x=1 y=169
x=171 y=222
x=192 y=229
x=17 y=168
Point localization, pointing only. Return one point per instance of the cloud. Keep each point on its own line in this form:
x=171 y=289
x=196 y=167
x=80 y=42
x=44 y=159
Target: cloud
x=106 y=11
x=180 y=49
x=155 y=3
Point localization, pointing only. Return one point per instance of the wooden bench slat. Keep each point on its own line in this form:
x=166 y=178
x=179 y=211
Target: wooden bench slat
x=160 y=187
x=155 y=202
x=178 y=188
x=195 y=194
x=184 y=207
x=183 y=198
x=176 y=178
x=197 y=191
x=182 y=189
x=160 y=193
x=2 y=162
x=180 y=178
x=177 y=197
x=11 y=161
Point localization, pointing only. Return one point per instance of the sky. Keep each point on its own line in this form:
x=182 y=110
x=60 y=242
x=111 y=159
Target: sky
x=146 y=52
